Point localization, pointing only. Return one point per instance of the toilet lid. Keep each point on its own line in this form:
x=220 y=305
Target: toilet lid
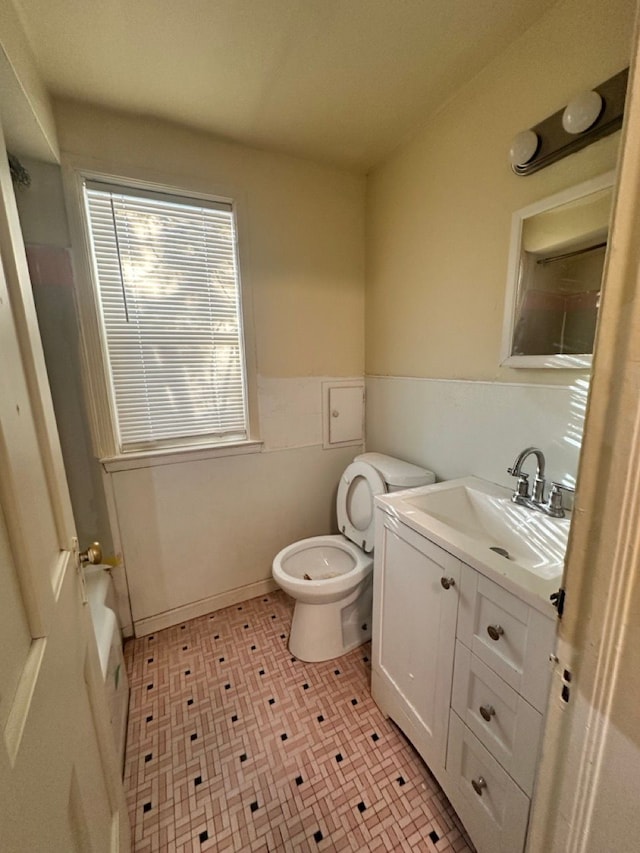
x=358 y=486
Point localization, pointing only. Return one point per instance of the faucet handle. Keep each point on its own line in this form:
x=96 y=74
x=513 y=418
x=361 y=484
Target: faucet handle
x=557 y=486
x=554 y=503
x=522 y=486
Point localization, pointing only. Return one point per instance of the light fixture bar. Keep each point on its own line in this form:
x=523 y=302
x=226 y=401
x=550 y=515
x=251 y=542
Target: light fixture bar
x=554 y=141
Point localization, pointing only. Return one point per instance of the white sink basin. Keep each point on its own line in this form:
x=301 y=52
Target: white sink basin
x=476 y=521
x=535 y=541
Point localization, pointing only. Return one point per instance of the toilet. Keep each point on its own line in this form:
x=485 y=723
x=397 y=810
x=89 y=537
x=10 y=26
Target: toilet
x=330 y=577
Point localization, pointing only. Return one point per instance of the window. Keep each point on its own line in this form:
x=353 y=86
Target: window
x=166 y=274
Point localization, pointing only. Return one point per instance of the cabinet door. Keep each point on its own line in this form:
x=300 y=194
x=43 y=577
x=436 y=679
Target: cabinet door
x=414 y=636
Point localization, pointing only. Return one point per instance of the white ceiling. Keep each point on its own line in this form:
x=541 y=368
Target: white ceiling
x=340 y=81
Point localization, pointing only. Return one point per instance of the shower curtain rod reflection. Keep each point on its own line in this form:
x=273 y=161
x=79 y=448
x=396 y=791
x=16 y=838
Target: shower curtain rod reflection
x=566 y=255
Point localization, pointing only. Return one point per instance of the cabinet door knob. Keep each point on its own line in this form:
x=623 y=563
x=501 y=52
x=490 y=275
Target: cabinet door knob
x=495 y=631
x=486 y=712
x=479 y=784
x=447 y=583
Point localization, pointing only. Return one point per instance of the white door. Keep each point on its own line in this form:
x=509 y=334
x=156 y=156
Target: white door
x=60 y=788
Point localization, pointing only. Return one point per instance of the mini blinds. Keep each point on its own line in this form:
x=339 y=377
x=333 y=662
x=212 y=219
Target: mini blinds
x=167 y=279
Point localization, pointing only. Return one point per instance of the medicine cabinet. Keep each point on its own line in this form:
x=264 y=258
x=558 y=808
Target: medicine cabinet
x=556 y=262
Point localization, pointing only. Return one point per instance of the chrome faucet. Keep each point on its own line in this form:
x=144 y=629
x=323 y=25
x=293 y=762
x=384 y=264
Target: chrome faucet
x=522 y=489
x=553 y=504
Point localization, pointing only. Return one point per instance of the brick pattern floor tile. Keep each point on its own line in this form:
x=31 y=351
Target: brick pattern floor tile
x=235 y=745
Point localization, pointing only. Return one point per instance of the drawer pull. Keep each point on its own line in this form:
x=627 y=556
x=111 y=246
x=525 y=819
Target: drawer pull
x=495 y=631
x=447 y=583
x=478 y=785
x=486 y=712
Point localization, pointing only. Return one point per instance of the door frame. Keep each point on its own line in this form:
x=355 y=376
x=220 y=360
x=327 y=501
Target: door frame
x=588 y=744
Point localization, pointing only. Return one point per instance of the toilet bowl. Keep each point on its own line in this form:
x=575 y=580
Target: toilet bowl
x=330 y=577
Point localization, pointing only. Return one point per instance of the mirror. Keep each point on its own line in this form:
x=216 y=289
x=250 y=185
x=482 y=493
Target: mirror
x=556 y=262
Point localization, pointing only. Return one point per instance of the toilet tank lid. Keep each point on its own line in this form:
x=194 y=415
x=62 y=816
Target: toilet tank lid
x=396 y=472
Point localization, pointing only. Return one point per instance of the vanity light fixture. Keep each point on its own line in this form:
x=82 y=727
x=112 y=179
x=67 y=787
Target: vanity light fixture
x=588 y=116
x=523 y=147
x=582 y=112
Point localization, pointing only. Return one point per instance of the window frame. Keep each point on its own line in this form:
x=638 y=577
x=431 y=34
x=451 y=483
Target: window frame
x=96 y=375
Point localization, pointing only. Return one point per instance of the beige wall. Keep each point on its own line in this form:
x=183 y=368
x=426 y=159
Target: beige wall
x=195 y=531
x=302 y=229
x=437 y=240
x=27 y=115
x=45 y=231
x=439 y=211
x=194 y=536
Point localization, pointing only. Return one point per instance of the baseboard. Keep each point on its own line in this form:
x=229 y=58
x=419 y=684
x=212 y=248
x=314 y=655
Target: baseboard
x=168 y=618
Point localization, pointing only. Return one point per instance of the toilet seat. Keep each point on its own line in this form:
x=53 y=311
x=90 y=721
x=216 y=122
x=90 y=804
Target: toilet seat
x=358 y=486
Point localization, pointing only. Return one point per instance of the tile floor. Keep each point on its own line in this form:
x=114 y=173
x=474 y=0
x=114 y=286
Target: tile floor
x=234 y=745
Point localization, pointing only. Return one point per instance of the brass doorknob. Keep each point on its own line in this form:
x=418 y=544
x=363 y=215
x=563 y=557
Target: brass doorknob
x=92 y=555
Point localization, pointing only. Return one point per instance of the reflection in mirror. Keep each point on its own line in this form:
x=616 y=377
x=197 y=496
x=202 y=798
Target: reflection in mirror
x=556 y=265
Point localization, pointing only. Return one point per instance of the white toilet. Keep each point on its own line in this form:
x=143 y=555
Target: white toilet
x=330 y=577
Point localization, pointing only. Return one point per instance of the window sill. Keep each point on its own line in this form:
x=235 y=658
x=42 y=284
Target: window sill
x=151 y=458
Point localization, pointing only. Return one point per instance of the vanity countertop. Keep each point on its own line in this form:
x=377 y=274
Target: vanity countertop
x=468 y=517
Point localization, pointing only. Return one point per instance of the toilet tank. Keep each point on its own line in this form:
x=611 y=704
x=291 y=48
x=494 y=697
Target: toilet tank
x=396 y=473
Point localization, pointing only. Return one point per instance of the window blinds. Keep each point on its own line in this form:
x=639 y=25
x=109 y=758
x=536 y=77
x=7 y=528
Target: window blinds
x=169 y=295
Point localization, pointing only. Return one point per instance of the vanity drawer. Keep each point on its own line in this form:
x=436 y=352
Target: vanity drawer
x=492 y=807
x=499 y=717
x=510 y=637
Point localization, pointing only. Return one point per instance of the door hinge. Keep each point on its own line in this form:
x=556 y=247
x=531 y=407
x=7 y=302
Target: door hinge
x=565 y=693
x=557 y=599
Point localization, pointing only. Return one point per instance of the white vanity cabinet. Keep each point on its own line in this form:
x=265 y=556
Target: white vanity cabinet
x=414 y=628
x=461 y=665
